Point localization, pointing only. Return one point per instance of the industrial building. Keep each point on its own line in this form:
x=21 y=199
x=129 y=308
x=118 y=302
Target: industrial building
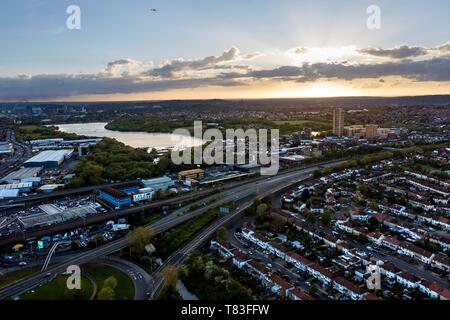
x=191 y=174
x=21 y=175
x=49 y=158
x=21 y=187
x=123 y=195
x=117 y=198
x=160 y=183
x=48 y=188
x=53 y=215
x=9 y=193
x=61 y=143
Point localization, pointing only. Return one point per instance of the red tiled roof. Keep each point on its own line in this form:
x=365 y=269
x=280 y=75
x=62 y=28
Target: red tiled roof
x=371 y=296
x=349 y=285
x=260 y=237
x=409 y=276
x=280 y=282
x=392 y=241
x=240 y=255
x=442 y=260
x=258 y=266
x=279 y=246
x=322 y=270
x=301 y=259
x=300 y=294
x=226 y=244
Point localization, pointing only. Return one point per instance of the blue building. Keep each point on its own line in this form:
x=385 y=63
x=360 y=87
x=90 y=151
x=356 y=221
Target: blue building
x=116 y=198
x=121 y=196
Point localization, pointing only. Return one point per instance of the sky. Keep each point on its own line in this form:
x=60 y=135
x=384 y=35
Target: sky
x=200 y=49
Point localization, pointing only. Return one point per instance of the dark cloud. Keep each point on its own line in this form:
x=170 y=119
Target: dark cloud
x=402 y=52
x=170 y=69
x=436 y=69
x=60 y=86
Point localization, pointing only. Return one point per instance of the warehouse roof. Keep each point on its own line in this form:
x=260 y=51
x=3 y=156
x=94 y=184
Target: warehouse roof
x=189 y=172
x=16 y=186
x=50 y=155
x=21 y=174
x=162 y=179
x=9 y=193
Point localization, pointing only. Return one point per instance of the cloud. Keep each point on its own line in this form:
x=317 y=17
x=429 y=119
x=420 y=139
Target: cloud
x=299 y=50
x=124 y=67
x=253 y=55
x=401 y=52
x=171 y=68
x=229 y=69
x=42 y=87
x=445 y=48
x=435 y=69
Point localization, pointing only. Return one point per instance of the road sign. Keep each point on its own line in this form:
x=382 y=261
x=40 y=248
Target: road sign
x=224 y=210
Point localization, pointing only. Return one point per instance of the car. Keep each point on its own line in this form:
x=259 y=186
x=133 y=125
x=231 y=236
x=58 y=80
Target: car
x=22 y=263
x=269 y=265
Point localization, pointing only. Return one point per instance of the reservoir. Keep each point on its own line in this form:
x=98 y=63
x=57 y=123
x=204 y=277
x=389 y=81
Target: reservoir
x=133 y=139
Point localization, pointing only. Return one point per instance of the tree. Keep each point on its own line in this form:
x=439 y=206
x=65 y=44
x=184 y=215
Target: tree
x=169 y=293
x=374 y=224
x=171 y=275
x=317 y=174
x=237 y=291
x=110 y=282
x=139 y=238
x=106 y=293
x=222 y=233
x=305 y=195
x=313 y=289
x=326 y=218
x=309 y=216
x=72 y=294
x=261 y=210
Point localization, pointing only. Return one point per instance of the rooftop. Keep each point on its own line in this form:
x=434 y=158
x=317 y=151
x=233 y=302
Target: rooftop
x=50 y=155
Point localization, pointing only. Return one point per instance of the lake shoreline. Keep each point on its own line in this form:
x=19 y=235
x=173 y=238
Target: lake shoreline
x=135 y=139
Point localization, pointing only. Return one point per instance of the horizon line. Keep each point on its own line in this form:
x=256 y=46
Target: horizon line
x=225 y=99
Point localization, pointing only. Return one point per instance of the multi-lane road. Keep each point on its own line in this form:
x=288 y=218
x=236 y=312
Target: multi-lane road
x=260 y=187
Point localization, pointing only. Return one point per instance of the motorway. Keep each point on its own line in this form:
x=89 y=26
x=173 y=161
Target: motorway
x=261 y=187
x=142 y=280
x=21 y=153
x=264 y=188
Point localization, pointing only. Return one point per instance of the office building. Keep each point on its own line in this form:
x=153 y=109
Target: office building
x=338 y=122
x=371 y=131
x=191 y=174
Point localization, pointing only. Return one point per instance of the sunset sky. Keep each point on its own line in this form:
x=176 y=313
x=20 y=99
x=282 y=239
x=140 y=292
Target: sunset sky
x=196 y=49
